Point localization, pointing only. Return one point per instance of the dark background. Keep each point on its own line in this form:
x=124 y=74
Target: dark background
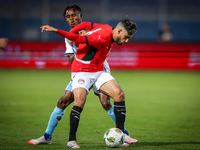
x=21 y=19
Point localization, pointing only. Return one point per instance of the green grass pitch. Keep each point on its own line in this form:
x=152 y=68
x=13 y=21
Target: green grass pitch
x=163 y=110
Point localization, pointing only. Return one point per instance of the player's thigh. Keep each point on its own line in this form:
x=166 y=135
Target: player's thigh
x=68 y=97
x=112 y=89
x=107 y=84
x=80 y=96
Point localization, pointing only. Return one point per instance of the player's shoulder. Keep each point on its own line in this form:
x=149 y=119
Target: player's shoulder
x=106 y=31
x=102 y=26
x=107 y=26
x=102 y=33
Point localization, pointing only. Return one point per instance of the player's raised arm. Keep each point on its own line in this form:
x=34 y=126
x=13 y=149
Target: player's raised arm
x=71 y=36
x=48 y=28
x=84 y=26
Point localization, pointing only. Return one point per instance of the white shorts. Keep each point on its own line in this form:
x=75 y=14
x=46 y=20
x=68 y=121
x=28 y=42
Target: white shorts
x=84 y=79
x=87 y=80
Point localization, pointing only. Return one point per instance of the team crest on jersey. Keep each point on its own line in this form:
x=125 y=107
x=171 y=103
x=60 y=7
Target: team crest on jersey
x=81 y=81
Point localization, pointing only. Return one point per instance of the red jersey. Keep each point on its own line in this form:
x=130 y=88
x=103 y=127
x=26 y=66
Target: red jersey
x=91 y=55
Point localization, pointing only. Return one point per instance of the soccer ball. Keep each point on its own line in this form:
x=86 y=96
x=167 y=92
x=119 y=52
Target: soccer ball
x=114 y=137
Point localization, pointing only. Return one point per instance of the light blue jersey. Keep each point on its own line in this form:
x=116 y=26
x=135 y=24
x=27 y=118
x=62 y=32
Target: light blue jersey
x=70 y=50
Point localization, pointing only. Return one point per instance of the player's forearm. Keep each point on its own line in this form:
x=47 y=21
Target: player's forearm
x=82 y=26
x=71 y=36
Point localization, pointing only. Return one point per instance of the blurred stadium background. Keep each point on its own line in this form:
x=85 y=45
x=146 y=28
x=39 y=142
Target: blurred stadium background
x=20 y=22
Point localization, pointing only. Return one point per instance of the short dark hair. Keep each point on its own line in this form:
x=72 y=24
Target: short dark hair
x=129 y=26
x=76 y=7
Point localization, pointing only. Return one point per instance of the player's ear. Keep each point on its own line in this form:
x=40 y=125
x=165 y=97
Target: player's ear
x=81 y=16
x=119 y=30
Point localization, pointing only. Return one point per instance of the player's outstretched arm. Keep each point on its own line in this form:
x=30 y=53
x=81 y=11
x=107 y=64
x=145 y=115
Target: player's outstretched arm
x=71 y=36
x=84 y=26
x=48 y=28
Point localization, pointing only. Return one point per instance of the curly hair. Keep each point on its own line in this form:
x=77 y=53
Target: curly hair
x=129 y=26
x=76 y=7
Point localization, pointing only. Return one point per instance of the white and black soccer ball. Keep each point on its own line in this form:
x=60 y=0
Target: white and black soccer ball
x=114 y=137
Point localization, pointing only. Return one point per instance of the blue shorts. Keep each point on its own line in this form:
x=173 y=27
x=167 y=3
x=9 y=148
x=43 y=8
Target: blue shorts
x=69 y=86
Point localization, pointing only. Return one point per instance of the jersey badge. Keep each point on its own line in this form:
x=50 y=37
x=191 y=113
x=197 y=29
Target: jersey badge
x=81 y=81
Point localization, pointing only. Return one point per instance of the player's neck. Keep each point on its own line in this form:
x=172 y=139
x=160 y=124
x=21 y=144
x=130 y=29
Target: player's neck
x=114 y=35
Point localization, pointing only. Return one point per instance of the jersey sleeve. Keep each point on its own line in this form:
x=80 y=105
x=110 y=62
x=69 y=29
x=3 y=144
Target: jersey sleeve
x=95 y=25
x=71 y=36
x=70 y=50
x=84 y=25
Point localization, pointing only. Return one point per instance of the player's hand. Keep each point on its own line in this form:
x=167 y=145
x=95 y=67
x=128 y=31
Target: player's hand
x=83 y=32
x=48 y=28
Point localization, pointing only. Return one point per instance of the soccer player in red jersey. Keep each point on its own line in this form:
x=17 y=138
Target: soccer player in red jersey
x=87 y=67
x=73 y=15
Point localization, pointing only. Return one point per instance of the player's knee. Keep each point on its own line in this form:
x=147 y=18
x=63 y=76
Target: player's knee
x=106 y=105
x=120 y=95
x=65 y=100
x=105 y=102
x=61 y=104
x=79 y=102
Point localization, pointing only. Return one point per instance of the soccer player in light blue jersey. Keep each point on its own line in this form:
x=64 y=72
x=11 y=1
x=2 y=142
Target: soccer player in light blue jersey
x=73 y=15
